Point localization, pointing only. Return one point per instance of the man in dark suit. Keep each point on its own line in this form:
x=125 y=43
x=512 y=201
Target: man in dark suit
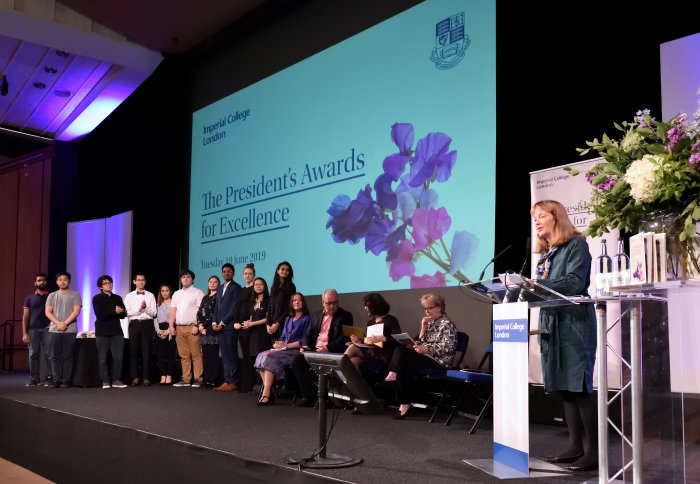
x=325 y=334
x=226 y=310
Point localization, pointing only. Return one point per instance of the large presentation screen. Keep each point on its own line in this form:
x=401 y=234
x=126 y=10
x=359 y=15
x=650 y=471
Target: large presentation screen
x=368 y=166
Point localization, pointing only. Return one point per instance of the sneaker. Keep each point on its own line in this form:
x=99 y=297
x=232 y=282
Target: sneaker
x=118 y=384
x=48 y=383
x=31 y=383
x=106 y=385
x=181 y=383
x=197 y=384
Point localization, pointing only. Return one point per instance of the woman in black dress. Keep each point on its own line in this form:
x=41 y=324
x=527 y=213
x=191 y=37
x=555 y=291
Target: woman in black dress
x=254 y=329
x=280 y=294
x=245 y=296
x=207 y=336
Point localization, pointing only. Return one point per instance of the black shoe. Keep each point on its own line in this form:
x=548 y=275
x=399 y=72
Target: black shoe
x=304 y=402
x=66 y=385
x=400 y=416
x=584 y=464
x=56 y=384
x=31 y=383
x=265 y=401
x=562 y=459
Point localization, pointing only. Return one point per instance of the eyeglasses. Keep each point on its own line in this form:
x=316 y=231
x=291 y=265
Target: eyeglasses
x=430 y=308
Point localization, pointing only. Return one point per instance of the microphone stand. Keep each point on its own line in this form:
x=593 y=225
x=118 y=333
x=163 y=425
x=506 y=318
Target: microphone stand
x=481 y=276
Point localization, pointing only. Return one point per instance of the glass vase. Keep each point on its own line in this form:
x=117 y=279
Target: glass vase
x=681 y=256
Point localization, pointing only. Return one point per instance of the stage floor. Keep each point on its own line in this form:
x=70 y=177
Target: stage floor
x=407 y=451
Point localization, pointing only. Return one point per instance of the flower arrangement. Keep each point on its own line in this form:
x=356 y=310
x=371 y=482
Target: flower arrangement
x=404 y=219
x=654 y=167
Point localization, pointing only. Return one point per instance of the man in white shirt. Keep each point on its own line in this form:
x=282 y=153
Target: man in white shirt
x=140 y=309
x=183 y=325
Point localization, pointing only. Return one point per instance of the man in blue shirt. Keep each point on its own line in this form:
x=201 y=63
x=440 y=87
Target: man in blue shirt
x=35 y=330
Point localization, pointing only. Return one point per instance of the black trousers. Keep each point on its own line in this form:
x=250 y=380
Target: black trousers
x=166 y=351
x=114 y=346
x=210 y=359
x=407 y=364
x=304 y=375
x=141 y=333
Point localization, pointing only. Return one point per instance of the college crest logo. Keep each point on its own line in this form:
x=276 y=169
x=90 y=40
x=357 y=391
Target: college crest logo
x=451 y=42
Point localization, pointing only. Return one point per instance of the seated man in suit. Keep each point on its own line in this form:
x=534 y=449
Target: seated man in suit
x=325 y=333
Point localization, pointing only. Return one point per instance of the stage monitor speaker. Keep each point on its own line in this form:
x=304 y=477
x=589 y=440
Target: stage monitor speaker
x=344 y=382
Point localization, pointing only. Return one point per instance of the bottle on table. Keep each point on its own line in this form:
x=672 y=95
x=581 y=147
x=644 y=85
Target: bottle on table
x=603 y=273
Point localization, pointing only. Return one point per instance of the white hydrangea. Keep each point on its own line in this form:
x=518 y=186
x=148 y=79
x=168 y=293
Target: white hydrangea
x=641 y=175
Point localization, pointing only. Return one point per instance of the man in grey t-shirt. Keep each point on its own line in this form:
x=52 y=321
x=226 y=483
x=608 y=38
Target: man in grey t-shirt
x=62 y=309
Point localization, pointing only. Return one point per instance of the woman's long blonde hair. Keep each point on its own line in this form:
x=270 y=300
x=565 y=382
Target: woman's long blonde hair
x=563 y=230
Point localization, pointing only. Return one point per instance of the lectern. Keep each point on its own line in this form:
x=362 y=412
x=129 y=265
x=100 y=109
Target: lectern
x=512 y=298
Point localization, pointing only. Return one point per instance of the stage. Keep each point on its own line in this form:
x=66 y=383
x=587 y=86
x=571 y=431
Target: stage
x=164 y=434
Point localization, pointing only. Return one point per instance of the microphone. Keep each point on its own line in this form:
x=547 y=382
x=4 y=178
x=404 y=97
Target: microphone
x=481 y=276
x=527 y=254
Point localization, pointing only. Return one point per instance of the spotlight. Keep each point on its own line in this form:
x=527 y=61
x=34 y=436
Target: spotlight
x=4 y=86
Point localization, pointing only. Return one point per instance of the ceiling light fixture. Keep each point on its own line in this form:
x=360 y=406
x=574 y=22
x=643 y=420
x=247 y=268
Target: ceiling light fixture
x=62 y=53
x=61 y=93
x=39 y=85
x=50 y=70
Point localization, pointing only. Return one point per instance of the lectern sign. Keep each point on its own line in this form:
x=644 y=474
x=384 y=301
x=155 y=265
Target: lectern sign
x=510 y=393
x=510 y=330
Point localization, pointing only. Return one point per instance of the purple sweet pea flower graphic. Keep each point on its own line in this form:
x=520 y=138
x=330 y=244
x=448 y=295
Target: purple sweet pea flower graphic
x=401 y=260
x=463 y=245
x=386 y=197
x=407 y=222
x=402 y=136
x=433 y=162
x=424 y=281
x=360 y=217
x=379 y=235
x=429 y=225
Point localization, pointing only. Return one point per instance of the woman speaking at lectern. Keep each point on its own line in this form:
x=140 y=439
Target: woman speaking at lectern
x=568 y=348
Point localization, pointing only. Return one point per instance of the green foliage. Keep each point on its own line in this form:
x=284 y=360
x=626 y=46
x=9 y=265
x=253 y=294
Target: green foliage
x=646 y=143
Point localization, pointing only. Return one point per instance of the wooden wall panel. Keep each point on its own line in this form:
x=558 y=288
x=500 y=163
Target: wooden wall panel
x=29 y=230
x=24 y=245
x=8 y=243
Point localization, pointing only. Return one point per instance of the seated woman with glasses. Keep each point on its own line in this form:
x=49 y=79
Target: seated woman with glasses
x=435 y=347
x=377 y=350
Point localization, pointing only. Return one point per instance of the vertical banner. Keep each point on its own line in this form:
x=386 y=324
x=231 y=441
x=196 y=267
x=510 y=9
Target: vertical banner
x=574 y=192
x=511 y=446
x=94 y=248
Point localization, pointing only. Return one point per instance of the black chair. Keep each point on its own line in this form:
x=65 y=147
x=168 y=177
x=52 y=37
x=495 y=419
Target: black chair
x=439 y=375
x=471 y=380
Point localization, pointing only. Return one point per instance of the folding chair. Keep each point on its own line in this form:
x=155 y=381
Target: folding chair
x=471 y=379
x=440 y=374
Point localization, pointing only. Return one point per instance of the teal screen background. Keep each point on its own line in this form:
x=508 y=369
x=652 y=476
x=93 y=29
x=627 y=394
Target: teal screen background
x=332 y=115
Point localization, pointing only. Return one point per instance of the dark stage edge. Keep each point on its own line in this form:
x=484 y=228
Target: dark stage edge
x=165 y=434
